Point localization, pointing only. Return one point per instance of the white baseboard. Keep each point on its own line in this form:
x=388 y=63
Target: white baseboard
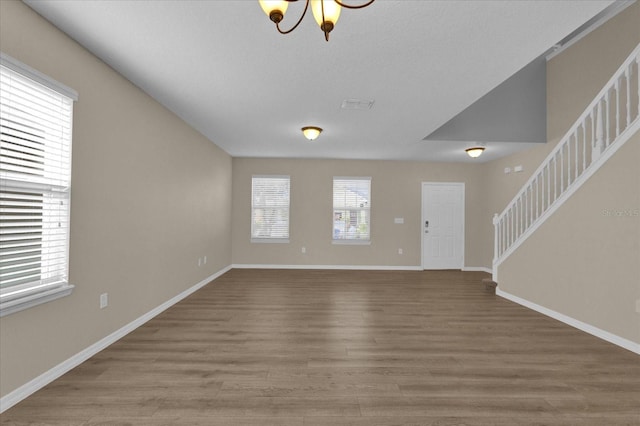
x=349 y=267
x=477 y=269
x=587 y=328
x=44 y=379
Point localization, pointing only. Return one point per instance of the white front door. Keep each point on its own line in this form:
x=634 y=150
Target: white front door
x=442 y=225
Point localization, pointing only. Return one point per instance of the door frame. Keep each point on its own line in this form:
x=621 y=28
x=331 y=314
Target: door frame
x=422 y=218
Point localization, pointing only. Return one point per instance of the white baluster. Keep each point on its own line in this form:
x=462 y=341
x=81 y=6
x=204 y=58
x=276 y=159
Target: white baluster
x=537 y=187
x=627 y=76
x=496 y=238
x=569 y=161
x=516 y=230
x=521 y=215
x=530 y=201
x=561 y=170
x=504 y=233
x=531 y=204
x=538 y=194
x=506 y=222
x=607 y=113
x=584 y=145
x=596 y=150
x=638 y=75
x=577 y=141
x=616 y=88
x=526 y=210
x=513 y=225
x=511 y=238
x=555 y=177
x=543 y=188
x=548 y=184
x=499 y=238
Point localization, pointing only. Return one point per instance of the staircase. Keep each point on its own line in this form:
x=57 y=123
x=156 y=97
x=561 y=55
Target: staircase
x=608 y=122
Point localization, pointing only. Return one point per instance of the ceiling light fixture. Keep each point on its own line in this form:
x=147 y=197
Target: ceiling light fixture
x=326 y=12
x=475 y=152
x=311 y=132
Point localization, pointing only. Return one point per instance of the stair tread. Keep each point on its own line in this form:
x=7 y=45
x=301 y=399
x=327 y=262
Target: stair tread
x=490 y=285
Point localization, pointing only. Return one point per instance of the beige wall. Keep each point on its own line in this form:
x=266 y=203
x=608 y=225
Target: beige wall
x=395 y=192
x=584 y=262
x=581 y=262
x=149 y=197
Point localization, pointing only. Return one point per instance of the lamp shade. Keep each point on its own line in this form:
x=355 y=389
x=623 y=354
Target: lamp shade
x=475 y=152
x=311 y=132
x=270 y=6
x=331 y=12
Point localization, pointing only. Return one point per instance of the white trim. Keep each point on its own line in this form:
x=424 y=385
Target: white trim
x=353 y=178
x=587 y=328
x=19 y=394
x=477 y=269
x=337 y=267
x=269 y=240
x=26 y=302
x=35 y=75
x=353 y=242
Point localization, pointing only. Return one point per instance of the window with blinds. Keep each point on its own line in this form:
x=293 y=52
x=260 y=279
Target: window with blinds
x=351 y=209
x=35 y=183
x=270 y=208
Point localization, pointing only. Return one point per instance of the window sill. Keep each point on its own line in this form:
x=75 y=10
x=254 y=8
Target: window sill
x=352 y=242
x=270 y=240
x=20 y=304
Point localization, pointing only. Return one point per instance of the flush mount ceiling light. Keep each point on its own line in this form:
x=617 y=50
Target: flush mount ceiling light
x=326 y=12
x=475 y=152
x=311 y=132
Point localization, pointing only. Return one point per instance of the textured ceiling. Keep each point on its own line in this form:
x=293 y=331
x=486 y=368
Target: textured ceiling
x=223 y=68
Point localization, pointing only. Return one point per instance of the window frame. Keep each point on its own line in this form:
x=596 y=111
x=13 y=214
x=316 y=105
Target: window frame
x=367 y=209
x=18 y=297
x=269 y=239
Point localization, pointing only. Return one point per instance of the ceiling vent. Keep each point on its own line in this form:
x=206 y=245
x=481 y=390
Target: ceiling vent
x=357 y=104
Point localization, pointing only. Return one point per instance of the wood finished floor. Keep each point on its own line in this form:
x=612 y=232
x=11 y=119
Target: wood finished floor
x=320 y=348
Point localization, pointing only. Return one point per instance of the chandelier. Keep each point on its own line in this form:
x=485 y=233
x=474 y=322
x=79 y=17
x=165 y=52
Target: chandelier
x=326 y=12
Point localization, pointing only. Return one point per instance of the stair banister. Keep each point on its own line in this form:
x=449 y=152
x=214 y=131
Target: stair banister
x=512 y=226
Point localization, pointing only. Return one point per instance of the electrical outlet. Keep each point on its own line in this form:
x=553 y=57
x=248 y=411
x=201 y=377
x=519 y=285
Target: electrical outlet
x=303 y=250
x=199 y=261
x=399 y=251
x=104 y=300
x=205 y=260
x=507 y=170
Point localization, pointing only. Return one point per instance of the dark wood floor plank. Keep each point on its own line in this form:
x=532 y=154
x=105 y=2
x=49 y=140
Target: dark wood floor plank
x=339 y=348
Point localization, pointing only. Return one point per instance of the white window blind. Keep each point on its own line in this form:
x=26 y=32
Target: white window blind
x=351 y=209
x=270 y=208
x=35 y=184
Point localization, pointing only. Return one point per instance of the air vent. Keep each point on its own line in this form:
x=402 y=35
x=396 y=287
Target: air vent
x=357 y=104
